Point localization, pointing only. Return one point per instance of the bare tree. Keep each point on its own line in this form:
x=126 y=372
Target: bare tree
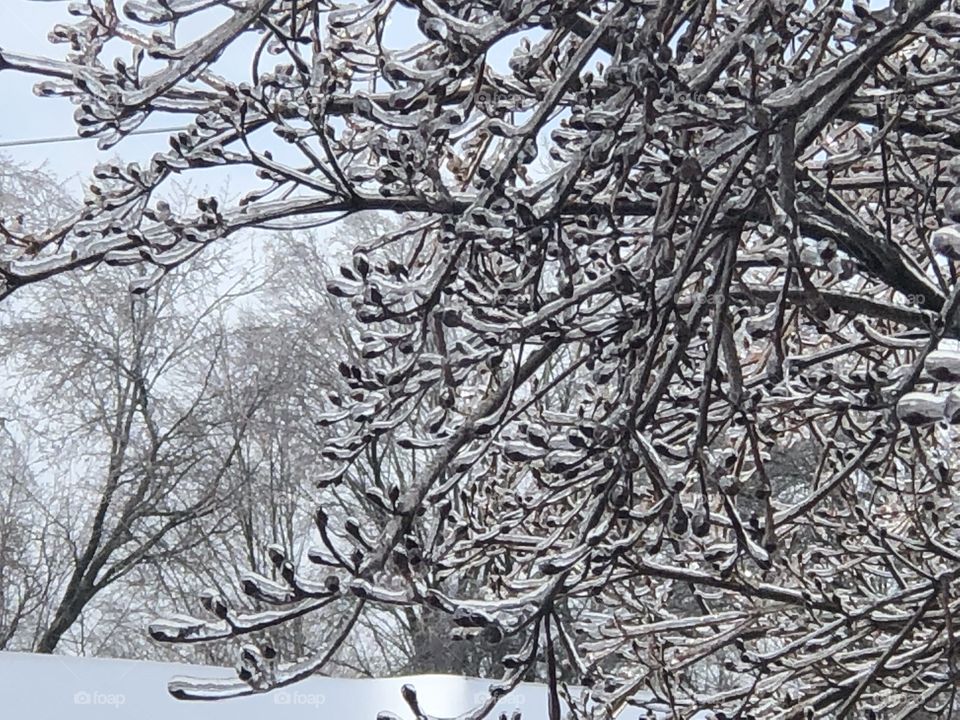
x=736 y=241
x=31 y=199
x=27 y=562
x=134 y=436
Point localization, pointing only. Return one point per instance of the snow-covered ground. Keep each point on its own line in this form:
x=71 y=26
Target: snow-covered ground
x=51 y=687
x=45 y=687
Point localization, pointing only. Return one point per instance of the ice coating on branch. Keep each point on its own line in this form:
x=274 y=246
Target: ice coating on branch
x=943 y=365
x=179 y=627
x=921 y=408
x=622 y=382
x=946 y=241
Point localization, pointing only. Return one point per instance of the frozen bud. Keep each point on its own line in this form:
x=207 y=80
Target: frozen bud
x=700 y=520
x=953 y=167
x=512 y=661
x=943 y=365
x=276 y=554
x=510 y=9
x=213 y=602
x=921 y=408
x=629 y=460
x=361 y=264
x=946 y=24
x=729 y=484
x=946 y=241
x=493 y=634
x=434 y=28
x=250 y=655
x=409 y=695
x=951 y=205
x=951 y=407
x=759 y=326
x=690 y=170
x=679 y=523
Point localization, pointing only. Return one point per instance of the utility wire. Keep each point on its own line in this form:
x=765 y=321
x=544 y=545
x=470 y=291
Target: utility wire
x=74 y=138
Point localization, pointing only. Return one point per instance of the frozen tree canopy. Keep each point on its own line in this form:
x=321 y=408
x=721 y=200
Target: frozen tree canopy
x=644 y=265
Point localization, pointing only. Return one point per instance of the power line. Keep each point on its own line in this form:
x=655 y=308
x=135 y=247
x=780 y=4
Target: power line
x=74 y=138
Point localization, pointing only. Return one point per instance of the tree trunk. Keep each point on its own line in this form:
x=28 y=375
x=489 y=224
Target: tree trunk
x=67 y=614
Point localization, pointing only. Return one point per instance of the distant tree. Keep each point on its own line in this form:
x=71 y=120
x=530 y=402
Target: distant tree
x=663 y=242
x=116 y=391
x=31 y=200
x=27 y=564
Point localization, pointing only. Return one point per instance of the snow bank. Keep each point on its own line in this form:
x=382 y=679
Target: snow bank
x=52 y=687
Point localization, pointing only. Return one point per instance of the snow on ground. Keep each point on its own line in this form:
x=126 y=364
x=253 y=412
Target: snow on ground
x=53 y=687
